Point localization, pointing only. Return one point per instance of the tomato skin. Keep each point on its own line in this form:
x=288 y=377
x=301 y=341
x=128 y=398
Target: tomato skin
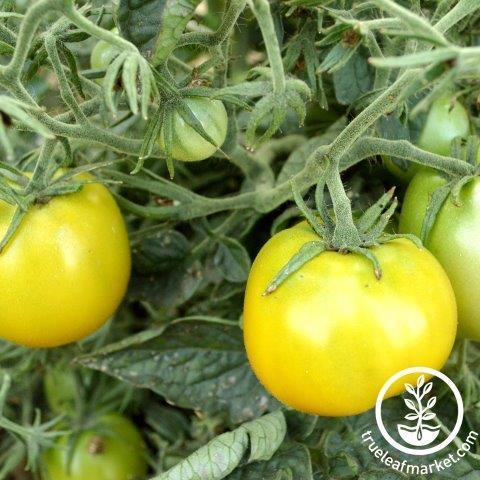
x=190 y=146
x=329 y=337
x=113 y=450
x=454 y=240
x=445 y=121
x=102 y=54
x=66 y=269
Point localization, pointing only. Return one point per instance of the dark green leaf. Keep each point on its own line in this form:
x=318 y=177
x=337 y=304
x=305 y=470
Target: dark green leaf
x=232 y=260
x=253 y=442
x=197 y=365
x=168 y=288
x=353 y=80
x=154 y=26
x=292 y=459
x=162 y=251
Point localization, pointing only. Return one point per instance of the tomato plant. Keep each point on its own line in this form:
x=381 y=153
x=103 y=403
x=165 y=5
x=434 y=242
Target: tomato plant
x=197 y=230
x=458 y=221
x=112 y=450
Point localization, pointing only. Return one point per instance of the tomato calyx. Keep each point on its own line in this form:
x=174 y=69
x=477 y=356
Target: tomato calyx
x=369 y=232
x=25 y=192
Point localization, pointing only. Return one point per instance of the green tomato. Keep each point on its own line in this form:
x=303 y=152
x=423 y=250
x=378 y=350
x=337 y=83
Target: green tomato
x=102 y=54
x=444 y=122
x=112 y=450
x=453 y=240
x=190 y=146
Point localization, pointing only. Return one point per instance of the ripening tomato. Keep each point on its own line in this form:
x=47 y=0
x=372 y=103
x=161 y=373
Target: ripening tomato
x=66 y=269
x=454 y=240
x=112 y=450
x=103 y=53
x=190 y=146
x=446 y=120
x=330 y=336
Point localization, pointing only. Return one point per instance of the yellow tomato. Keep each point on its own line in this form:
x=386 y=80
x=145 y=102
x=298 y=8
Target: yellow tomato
x=330 y=336
x=66 y=269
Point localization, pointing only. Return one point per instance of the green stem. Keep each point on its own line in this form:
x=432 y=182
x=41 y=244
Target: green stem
x=370 y=146
x=252 y=167
x=416 y=23
x=345 y=235
x=462 y=9
x=39 y=178
x=30 y=24
x=384 y=103
x=207 y=39
x=261 y=10
x=94 y=30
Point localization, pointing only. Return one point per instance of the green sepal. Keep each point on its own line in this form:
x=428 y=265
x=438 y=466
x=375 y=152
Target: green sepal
x=471 y=150
x=457 y=188
x=370 y=217
x=15 y=222
x=152 y=132
x=322 y=207
x=307 y=252
x=192 y=121
x=437 y=199
x=72 y=65
x=374 y=233
x=369 y=255
x=308 y=214
x=168 y=140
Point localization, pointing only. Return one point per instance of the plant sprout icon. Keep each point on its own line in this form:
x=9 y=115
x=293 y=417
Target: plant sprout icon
x=422 y=433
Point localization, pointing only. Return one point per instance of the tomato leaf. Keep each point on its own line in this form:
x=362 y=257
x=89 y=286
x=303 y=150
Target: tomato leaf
x=353 y=80
x=196 y=364
x=167 y=288
x=292 y=459
x=159 y=252
x=154 y=26
x=232 y=260
x=254 y=441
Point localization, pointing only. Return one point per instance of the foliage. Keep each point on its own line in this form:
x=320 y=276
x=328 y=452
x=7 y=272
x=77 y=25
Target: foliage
x=312 y=88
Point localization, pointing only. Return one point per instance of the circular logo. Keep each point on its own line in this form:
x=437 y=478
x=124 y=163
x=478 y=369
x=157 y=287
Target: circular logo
x=418 y=430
